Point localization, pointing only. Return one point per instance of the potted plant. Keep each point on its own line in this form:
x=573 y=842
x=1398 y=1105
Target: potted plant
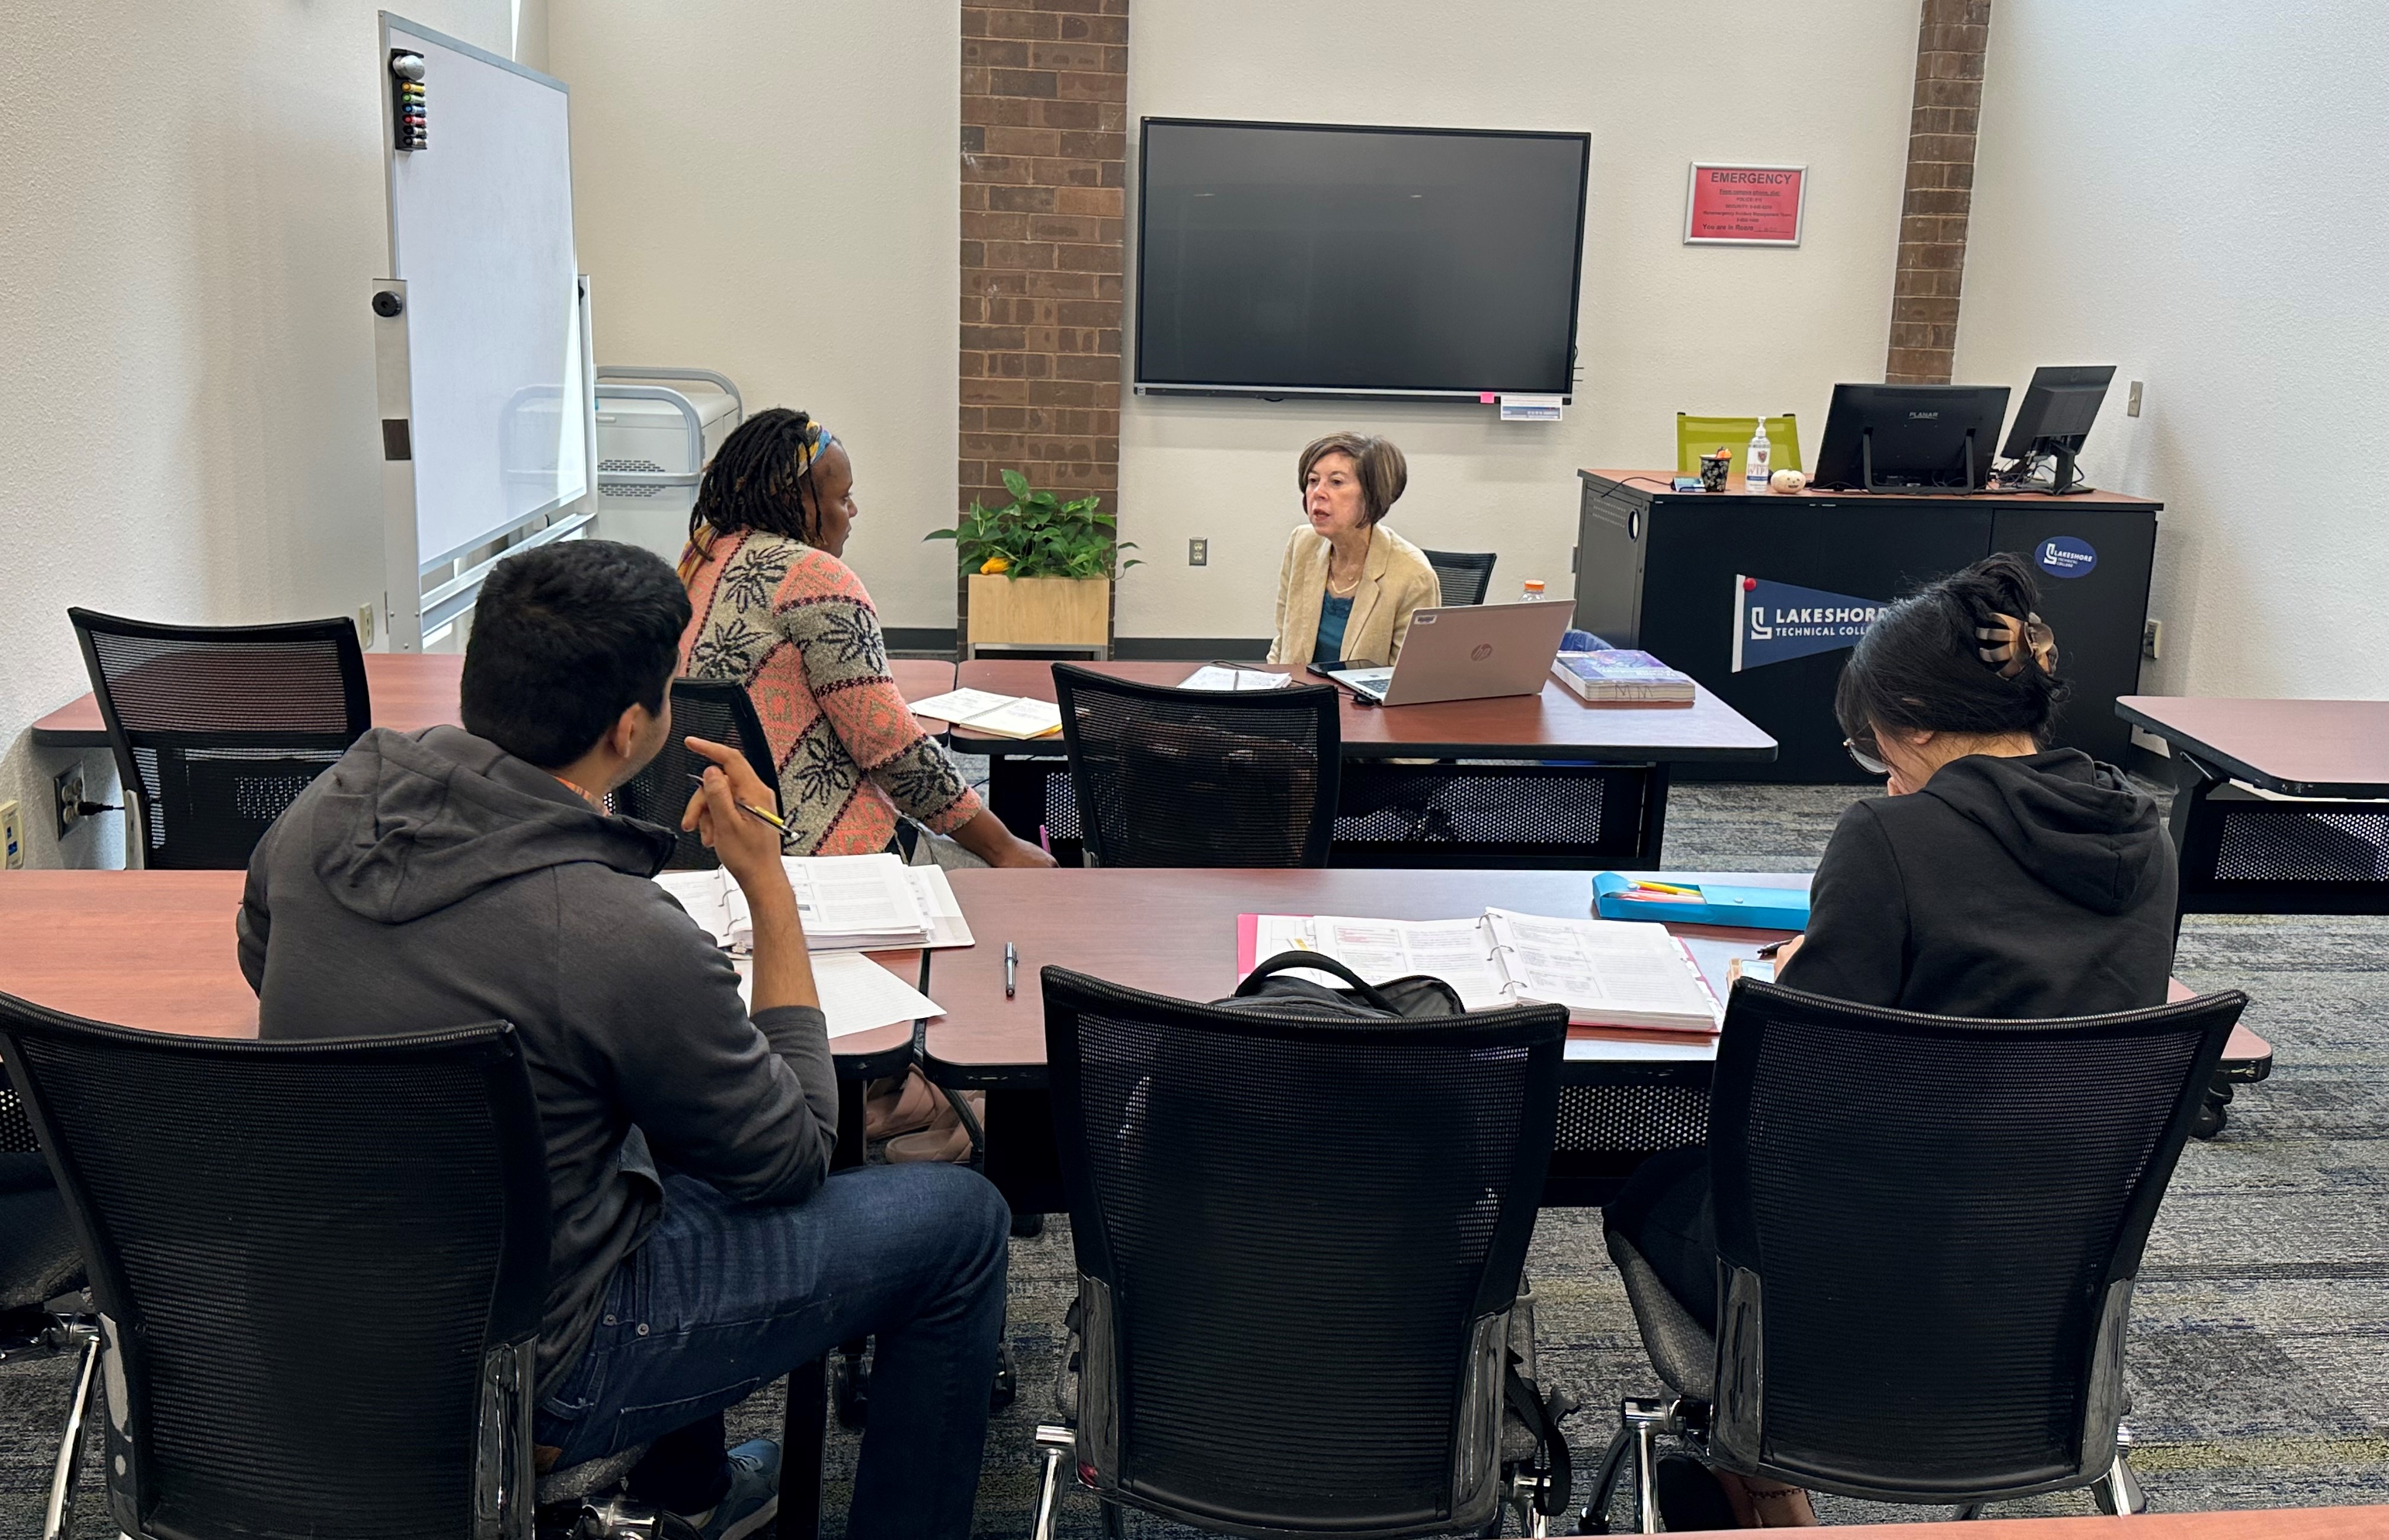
x=1038 y=572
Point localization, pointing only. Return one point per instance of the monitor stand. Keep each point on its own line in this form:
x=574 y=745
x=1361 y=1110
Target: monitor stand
x=1866 y=466
x=2061 y=477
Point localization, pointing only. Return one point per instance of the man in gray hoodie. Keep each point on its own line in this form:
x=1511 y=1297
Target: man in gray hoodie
x=699 y=1248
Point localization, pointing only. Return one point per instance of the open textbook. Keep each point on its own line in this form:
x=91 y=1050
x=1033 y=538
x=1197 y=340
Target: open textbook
x=847 y=903
x=1611 y=973
x=996 y=715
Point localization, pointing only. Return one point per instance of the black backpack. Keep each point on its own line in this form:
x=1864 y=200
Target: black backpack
x=1417 y=998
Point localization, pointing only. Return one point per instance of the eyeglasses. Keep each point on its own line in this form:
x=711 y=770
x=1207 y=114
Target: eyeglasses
x=1864 y=759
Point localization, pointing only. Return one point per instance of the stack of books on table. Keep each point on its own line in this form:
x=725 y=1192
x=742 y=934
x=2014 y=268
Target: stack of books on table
x=847 y=903
x=1621 y=676
x=996 y=715
x=1608 y=973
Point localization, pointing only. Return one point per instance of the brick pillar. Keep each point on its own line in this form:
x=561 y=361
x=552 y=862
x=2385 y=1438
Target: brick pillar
x=1949 y=41
x=1044 y=161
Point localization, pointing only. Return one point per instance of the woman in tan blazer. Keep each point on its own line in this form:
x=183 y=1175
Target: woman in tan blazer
x=1349 y=585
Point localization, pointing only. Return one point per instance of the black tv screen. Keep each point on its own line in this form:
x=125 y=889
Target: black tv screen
x=1285 y=259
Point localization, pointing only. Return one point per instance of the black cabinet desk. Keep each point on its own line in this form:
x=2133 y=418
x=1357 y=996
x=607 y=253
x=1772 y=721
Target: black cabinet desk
x=1665 y=572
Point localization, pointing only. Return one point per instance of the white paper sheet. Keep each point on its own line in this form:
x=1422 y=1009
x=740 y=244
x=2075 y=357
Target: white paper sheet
x=1004 y=715
x=948 y=926
x=1457 y=951
x=1214 y=676
x=857 y=995
x=1619 y=973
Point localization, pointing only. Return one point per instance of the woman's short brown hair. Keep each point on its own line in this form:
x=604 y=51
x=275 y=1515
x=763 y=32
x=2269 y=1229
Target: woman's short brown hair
x=1382 y=470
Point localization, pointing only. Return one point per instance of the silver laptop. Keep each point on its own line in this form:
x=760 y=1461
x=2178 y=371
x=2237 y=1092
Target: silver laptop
x=1468 y=652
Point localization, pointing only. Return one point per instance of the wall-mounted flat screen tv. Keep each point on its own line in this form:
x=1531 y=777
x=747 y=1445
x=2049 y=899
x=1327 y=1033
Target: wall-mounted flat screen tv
x=1304 y=259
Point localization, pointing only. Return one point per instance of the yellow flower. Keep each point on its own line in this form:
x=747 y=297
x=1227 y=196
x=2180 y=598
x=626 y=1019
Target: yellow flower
x=994 y=565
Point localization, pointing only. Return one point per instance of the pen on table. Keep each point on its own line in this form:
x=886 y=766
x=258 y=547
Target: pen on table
x=1045 y=840
x=1011 y=963
x=1774 y=946
x=771 y=819
x=1666 y=888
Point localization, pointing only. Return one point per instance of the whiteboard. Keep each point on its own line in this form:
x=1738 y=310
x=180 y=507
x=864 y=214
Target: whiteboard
x=480 y=238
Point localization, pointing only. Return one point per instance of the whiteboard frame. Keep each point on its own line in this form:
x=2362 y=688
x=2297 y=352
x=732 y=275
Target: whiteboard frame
x=410 y=612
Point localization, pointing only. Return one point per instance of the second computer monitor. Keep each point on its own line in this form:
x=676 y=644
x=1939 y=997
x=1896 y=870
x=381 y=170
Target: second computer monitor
x=1897 y=438
x=2058 y=408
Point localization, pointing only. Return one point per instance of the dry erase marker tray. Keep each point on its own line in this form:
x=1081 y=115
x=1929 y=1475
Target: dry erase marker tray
x=1615 y=897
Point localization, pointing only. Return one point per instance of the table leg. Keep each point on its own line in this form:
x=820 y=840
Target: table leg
x=802 y=1437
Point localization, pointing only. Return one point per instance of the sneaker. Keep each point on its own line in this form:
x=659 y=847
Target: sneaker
x=753 y=1499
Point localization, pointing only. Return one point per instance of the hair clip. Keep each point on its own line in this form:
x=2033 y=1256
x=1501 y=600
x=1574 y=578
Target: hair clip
x=2015 y=638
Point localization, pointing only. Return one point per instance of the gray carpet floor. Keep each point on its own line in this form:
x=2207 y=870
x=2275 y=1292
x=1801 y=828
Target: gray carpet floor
x=2259 y=1360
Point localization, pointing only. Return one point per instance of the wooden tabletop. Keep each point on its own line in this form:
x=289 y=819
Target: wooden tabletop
x=1173 y=932
x=155 y=950
x=414 y=690
x=1554 y=725
x=1658 y=482
x=2262 y=1523
x=2297 y=747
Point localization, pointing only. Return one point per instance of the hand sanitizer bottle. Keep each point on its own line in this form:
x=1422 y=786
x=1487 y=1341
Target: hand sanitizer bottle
x=1755 y=469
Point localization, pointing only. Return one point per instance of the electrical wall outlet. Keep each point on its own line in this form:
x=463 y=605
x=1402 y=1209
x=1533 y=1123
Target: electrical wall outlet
x=365 y=625
x=2153 y=639
x=2132 y=401
x=12 y=836
x=67 y=791
x=1198 y=553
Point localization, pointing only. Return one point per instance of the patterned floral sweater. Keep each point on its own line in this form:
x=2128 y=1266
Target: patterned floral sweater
x=794 y=625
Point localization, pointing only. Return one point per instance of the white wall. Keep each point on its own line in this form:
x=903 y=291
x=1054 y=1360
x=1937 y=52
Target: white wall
x=193 y=206
x=773 y=191
x=1664 y=328
x=2188 y=191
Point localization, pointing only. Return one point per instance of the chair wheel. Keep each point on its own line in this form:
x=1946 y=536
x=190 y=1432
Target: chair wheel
x=849 y=1386
x=1006 y=1389
x=1027 y=1226
x=2210 y=1120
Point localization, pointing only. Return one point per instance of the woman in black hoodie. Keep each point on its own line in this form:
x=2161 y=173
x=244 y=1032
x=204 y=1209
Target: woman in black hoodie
x=1999 y=878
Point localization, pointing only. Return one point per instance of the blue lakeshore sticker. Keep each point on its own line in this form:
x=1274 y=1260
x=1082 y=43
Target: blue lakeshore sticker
x=2065 y=556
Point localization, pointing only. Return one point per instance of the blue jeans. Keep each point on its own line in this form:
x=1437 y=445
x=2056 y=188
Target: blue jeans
x=722 y=1298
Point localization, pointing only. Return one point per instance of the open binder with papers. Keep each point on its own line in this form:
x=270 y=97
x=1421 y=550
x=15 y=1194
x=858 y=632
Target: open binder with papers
x=996 y=715
x=846 y=903
x=1608 y=973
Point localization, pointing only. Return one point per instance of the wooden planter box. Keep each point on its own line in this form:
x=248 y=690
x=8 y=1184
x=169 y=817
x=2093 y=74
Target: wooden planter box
x=1005 y=611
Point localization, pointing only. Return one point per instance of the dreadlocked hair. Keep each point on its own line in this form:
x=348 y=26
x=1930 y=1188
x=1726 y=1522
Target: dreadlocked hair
x=760 y=479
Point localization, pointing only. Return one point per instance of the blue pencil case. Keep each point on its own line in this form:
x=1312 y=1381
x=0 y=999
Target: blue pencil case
x=1615 y=897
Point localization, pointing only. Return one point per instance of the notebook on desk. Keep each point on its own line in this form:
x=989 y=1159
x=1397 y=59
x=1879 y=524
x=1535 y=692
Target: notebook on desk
x=1608 y=973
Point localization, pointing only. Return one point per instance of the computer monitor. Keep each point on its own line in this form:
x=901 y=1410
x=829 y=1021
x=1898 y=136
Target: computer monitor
x=1899 y=438
x=2055 y=416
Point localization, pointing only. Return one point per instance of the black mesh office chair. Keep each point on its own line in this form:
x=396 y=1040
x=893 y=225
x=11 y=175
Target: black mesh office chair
x=1298 y=1246
x=317 y=1269
x=216 y=729
x=1464 y=575
x=1927 y=1233
x=1175 y=777
x=720 y=712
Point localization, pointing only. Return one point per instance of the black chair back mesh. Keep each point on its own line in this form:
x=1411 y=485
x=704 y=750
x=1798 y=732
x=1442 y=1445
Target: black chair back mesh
x=1464 y=575
x=319 y=1268
x=1927 y=1232
x=1292 y=1236
x=720 y=712
x=216 y=729
x=1174 y=778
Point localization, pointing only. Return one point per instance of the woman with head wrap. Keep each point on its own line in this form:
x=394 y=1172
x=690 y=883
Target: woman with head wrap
x=776 y=609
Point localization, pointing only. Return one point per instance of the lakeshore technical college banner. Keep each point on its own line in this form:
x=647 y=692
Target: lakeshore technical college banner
x=1775 y=620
